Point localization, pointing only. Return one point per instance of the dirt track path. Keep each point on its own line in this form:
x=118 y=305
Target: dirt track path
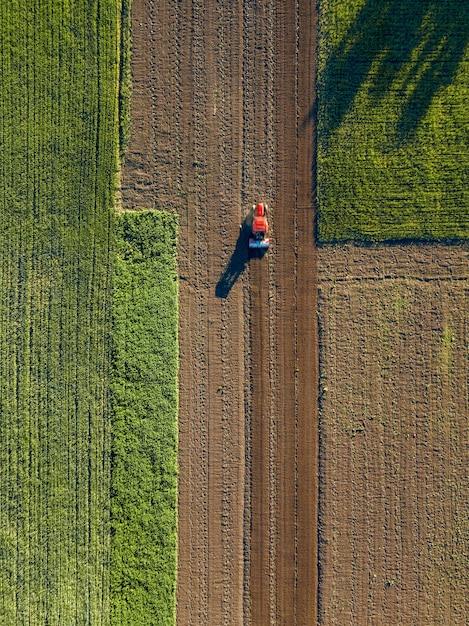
x=221 y=118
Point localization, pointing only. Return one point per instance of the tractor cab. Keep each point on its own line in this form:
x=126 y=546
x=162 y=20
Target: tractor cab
x=260 y=227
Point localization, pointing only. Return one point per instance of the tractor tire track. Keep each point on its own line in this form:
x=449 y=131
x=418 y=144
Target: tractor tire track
x=258 y=177
x=283 y=462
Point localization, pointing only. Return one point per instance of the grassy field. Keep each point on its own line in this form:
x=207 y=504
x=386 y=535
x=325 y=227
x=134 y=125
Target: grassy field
x=393 y=129
x=59 y=143
x=144 y=450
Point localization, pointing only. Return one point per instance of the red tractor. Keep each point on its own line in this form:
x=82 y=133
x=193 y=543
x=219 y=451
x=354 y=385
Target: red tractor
x=260 y=227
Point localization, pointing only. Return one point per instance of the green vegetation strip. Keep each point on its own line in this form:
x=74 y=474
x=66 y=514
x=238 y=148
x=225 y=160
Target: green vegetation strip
x=393 y=128
x=144 y=449
x=59 y=70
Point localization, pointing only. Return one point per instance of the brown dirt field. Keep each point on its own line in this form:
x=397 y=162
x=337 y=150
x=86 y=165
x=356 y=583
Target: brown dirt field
x=394 y=503
x=221 y=117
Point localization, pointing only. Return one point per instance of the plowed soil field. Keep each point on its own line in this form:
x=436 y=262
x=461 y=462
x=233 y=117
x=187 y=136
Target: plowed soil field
x=222 y=118
x=394 y=504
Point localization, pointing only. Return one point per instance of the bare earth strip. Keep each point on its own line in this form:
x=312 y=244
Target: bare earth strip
x=222 y=96
x=394 y=521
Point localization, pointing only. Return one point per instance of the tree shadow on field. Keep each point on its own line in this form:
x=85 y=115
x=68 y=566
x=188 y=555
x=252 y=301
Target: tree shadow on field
x=238 y=261
x=419 y=42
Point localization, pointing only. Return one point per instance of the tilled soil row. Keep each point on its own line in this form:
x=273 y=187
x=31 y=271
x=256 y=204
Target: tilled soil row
x=212 y=340
x=221 y=119
x=258 y=174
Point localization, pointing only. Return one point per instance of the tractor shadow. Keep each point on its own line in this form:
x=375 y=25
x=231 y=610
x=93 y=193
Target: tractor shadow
x=238 y=261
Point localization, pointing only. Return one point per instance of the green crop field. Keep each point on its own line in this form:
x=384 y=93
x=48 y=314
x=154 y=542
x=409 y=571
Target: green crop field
x=393 y=127
x=59 y=70
x=88 y=370
x=144 y=391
